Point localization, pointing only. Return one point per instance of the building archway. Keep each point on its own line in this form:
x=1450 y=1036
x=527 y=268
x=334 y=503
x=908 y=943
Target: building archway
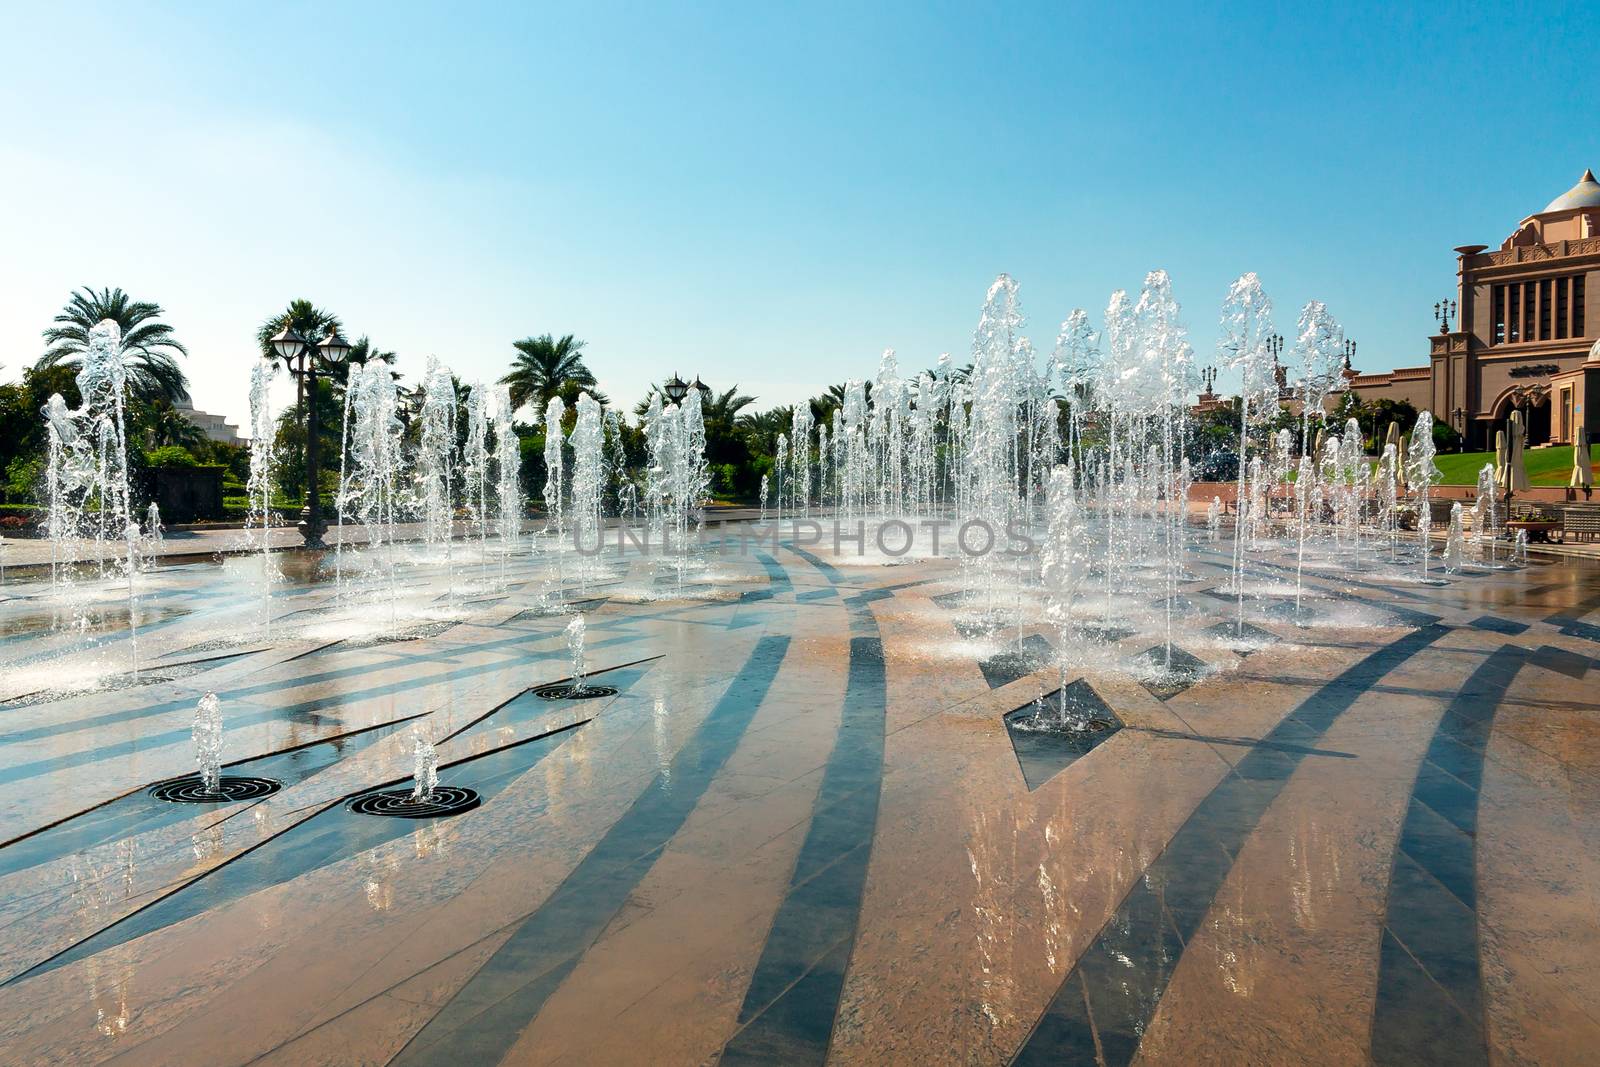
x=1534 y=403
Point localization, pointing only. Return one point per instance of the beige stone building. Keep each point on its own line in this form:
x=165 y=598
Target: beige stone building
x=1524 y=337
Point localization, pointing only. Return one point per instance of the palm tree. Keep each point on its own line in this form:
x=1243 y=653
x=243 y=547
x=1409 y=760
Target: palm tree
x=543 y=366
x=725 y=407
x=153 y=371
x=166 y=425
x=362 y=352
x=762 y=428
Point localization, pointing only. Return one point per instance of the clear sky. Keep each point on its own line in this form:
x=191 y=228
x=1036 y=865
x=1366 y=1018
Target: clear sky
x=765 y=194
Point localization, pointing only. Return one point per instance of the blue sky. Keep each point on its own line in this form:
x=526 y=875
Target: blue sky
x=759 y=193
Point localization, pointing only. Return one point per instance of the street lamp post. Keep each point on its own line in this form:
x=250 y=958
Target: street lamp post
x=301 y=357
x=1442 y=312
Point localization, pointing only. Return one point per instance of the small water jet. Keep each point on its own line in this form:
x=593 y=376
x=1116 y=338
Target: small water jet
x=211 y=786
x=424 y=769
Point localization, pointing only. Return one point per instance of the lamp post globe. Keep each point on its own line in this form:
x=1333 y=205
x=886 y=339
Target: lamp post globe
x=288 y=344
x=676 y=389
x=334 y=348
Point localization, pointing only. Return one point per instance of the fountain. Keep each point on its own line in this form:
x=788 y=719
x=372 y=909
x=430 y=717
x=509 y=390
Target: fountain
x=424 y=768
x=554 y=486
x=475 y=477
x=369 y=487
x=258 y=491
x=508 y=468
x=1485 y=519
x=152 y=545
x=1423 y=475
x=86 y=480
x=1246 y=326
x=436 y=458
x=207 y=737
x=588 y=477
x=575 y=634
x=210 y=786
x=1452 y=541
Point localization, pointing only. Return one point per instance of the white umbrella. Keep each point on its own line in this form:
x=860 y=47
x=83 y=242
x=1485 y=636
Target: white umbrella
x=1582 y=476
x=1516 y=473
x=1500 y=460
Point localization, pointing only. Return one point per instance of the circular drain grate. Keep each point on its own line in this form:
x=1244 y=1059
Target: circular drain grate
x=398 y=804
x=562 y=691
x=230 y=789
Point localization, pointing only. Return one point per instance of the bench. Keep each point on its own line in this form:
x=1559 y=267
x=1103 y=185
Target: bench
x=1580 y=522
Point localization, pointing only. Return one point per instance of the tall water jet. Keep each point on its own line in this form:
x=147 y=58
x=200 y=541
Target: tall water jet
x=989 y=460
x=555 y=472
x=87 y=475
x=1064 y=567
x=369 y=490
x=1319 y=345
x=508 y=471
x=1246 y=327
x=800 y=459
x=1423 y=476
x=475 y=477
x=575 y=650
x=258 y=490
x=151 y=549
x=436 y=457
x=1452 y=541
x=1305 y=489
x=206 y=734
x=588 y=476
x=1485 y=518
x=1166 y=344
x=1389 y=496
x=424 y=768
x=1075 y=363
x=692 y=476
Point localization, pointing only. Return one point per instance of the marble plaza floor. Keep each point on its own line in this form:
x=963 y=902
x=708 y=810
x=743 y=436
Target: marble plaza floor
x=812 y=825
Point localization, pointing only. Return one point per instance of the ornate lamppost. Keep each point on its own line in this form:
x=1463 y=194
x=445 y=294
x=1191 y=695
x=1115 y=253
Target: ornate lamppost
x=302 y=358
x=1442 y=312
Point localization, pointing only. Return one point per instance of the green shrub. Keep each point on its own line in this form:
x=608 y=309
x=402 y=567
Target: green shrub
x=171 y=456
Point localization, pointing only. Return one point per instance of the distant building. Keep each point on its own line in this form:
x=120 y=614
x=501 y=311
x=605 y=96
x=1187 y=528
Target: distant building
x=1523 y=338
x=215 y=427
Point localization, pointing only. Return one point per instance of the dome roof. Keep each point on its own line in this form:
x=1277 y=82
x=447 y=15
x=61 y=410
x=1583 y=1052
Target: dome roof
x=1585 y=194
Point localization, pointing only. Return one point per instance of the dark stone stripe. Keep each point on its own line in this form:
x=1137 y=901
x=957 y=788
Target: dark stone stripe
x=789 y=1006
x=1115 y=986
x=1429 y=1003
x=828 y=570
x=487 y=1015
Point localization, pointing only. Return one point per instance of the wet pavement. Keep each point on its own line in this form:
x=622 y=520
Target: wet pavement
x=825 y=818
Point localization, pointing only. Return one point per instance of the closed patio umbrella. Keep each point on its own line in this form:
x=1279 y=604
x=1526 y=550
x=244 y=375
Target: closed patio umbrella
x=1582 y=476
x=1516 y=471
x=1500 y=471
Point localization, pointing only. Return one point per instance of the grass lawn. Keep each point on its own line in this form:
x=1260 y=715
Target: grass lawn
x=1546 y=466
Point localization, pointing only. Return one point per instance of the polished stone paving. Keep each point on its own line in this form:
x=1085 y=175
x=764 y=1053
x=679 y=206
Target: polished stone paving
x=817 y=822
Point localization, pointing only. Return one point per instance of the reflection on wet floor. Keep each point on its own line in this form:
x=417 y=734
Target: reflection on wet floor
x=328 y=837
x=832 y=813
